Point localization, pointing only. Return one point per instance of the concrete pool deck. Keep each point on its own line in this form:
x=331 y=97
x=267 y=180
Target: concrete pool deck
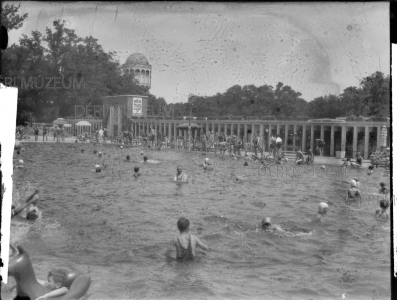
x=321 y=160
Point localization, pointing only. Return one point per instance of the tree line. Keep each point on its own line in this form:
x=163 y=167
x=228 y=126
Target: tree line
x=85 y=73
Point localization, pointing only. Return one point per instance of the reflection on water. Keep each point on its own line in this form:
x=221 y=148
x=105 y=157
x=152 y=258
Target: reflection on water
x=117 y=228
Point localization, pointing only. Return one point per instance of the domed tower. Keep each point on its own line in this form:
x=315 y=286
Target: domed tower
x=138 y=65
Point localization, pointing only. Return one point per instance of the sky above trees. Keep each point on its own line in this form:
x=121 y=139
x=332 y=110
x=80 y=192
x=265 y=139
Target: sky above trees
x=205 y=48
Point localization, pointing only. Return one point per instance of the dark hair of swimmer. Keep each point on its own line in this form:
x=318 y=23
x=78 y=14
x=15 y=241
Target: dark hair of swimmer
x=145 y=158
x=18 y=152
x=95 y=151
x=127 y=157
x=82 y=150
x=58 y=275
x=75 y=141
x=136 y=169
x=183 y=224
x=31 y=216
x=384 y=204
x=382 y=184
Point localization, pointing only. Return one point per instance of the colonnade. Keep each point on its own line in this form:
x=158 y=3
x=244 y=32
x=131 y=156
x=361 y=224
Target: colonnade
x=339 y=136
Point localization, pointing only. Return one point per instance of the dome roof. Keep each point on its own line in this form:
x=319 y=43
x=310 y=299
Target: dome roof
x=137 y=59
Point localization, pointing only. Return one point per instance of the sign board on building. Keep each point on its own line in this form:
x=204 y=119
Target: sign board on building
x=137 y=107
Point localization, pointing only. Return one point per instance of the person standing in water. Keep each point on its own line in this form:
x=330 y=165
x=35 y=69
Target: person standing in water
x=299 y=159
x=322 y=211
x=353 y=194
x=381 y=213
x=185 y=244
x=268 y=226
x=383 y=190
x=310 y=156
x=180 y=176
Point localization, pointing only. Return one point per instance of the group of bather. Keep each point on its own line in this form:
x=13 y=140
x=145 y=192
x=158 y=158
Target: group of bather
x=185 y=243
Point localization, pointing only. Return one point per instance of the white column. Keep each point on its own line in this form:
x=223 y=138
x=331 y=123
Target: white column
x=269 y=135
x=245 y=134
x=225 y=128
x=294 y=137
x=278 y=129
x=110 y=123
x=169 y=130
x=303 y=138
x=312 y=138
x=286 y=137
x=252 y=132
x=219 y=128
x=120 y=121
x=322 y=133
x=366 y=143
x=332 y=140
x=343 y=138
x=378 y=140
x=175 y=132
x=355 y=141
x=238 y=130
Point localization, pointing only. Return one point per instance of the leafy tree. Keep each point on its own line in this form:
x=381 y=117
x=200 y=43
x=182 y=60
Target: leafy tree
x=376 y=96
x=10 y=18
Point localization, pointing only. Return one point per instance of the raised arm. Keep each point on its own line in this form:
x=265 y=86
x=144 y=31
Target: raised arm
x=26 y=204
x=201 y=244
x=58 y=292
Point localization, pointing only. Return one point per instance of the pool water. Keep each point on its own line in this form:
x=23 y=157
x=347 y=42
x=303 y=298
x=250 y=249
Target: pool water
x=116 y=228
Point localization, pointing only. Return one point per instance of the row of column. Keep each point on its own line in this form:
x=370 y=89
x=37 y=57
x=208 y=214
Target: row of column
x=144 y=126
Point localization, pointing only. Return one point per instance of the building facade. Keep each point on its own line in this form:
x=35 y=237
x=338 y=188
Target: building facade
x=346 y=137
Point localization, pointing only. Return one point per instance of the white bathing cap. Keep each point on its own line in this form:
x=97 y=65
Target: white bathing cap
x=321 y=206
x=353 y=183
x=207 y=159
x=21 y=161
x=121 y=147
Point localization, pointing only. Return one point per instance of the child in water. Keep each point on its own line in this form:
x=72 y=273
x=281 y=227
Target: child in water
x=185 y=244
x=322 y=211
x=136 y=172
x=267 y=225
x=56 y=283
x=381 y=213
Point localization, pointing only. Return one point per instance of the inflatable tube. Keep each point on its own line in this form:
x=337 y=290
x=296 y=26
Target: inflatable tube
x=21 y=268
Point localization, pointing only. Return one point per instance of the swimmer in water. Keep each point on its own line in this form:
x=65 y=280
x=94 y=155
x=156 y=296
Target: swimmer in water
x=245 y=163
x=353 y=194
x=207 y=164
x=136 y=172
x=82 y=151
x=299 y=159
x=56 y=283
x=185 y=244
x=267 y=225
x=31 y=202
x=383 y=190
x=180 y=176
x=145 y=158
x=322 y=211
x=98 y=169
x=127 y=158
x=381 y=213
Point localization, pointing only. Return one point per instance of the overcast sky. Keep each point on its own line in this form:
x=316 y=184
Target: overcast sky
x=205 y=48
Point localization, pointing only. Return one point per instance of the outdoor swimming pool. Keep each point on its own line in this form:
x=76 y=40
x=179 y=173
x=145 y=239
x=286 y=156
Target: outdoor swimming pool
x=117 y=228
